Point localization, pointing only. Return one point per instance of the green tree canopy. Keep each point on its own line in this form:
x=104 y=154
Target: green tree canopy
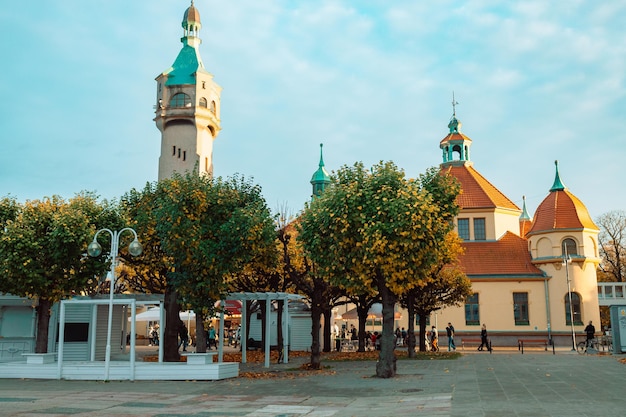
x=209 y=228
x=375 y=231
x=43 y=251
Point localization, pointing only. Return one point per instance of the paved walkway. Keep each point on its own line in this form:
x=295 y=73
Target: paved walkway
x=504 y=383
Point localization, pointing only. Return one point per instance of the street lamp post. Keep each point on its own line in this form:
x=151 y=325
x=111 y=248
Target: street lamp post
x=94 y=249
x=566 y=261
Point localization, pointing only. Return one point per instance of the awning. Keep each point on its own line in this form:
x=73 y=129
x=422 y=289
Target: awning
x=153 y=314
x=375 y=312
x=233 y=307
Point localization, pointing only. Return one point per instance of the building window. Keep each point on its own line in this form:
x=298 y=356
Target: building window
x=463 y=229
x=568 y=247
x=479 y=229
x=206 y=164
x=173 y=150
x=184 y=155
x=178 y=152
x=520 y=308
x=471 y=310
x=203 y=85
x=203 y=102
x=180 y=100
x=213 y=107
x=417 y=322
x=575 y=310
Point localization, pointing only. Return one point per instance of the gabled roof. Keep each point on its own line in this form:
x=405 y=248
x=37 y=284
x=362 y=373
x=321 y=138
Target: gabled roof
x=508 y=256
x=476 y=191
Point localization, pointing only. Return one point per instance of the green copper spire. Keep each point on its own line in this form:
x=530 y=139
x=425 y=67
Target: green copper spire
x=454 y=125
x=320 y=178
x=188 y=62
x=558 y=184
x=524 y=215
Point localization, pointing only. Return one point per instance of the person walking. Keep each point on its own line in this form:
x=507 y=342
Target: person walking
x=183 y=334
x=590 y=331
x=450 y=333
x=434 y=339
x=484 y=339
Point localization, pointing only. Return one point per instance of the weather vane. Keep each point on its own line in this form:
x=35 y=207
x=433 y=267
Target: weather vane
x=454 y=103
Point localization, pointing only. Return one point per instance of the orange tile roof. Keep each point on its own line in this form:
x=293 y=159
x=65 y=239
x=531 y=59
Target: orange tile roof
x=476 y=191
x=507 y=256
x=561 y=210
x=456 y=136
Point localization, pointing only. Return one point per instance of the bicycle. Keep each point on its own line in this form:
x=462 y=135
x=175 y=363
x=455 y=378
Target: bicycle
x=583 y=346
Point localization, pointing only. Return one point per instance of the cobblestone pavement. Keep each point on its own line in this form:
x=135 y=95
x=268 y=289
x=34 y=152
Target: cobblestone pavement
x=477 y=384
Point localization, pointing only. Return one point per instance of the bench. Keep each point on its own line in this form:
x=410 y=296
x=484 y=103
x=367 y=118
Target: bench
x=258 y=345
x=474 y=341
x=39 y=358
x=199 y=358
x=532 y=342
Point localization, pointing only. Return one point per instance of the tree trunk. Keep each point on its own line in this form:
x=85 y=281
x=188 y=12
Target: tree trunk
x=279 y=329
x=263 y=305
x=200 y=334
x=386 y=366
x=362 y=311
x=411 y=326
x=422 y=333
x=172 y=318
x=316 y=359
x=43 y=323
x=328 y=317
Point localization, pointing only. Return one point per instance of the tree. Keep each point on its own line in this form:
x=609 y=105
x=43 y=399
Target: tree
x=209 y=228
x=444 y=283
x=374 y=229
x=612 y=245
x=449 y=286
x=147 y=273
x=43 y=251
x=320 y=293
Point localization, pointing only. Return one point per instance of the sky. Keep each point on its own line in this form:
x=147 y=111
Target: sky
x=535 y=82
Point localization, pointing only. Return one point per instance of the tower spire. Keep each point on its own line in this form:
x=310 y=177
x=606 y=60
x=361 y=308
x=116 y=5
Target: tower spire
x=558 y=184
x=524 y=215
x=320 y=178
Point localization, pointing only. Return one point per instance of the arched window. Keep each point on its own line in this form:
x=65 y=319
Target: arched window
x=203 y=102
x=180 y=100
x=575 y=310
x=213 y=107
x=569 y=247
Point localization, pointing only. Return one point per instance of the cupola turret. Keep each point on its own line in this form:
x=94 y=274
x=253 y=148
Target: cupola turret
x=455 y=146
x=320 y=178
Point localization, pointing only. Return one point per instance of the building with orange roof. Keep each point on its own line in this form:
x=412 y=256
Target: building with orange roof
x=529 y=276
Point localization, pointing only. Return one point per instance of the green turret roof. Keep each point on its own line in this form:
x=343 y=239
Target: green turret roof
x=188 y=62
x=524 y=215
x=321 y=175
x=558 y=184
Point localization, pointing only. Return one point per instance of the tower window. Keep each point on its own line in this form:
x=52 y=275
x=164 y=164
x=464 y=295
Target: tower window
x=479 y=229
x=173 y=150
x=213 y=106
x=184 y=155
x=179 y=152
x=203 y=85
x=180 y=100
x=568 y=247
x=575 y=310
x=203 y=102
x=463 y=229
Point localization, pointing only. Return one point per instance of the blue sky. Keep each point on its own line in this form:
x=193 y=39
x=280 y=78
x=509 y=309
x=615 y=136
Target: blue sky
x=535 y=81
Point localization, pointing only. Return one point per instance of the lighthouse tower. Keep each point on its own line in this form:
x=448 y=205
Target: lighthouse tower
x=187 y=107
